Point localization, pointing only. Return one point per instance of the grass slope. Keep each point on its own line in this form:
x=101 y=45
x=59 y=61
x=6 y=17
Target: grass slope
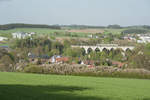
x=37 y=30
x=18 y=86
x=41 y=31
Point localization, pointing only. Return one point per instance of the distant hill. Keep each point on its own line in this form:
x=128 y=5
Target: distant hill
x=134 y=30
x=18 y=25
x=125 y=29
x=103 y=27
x=81 y=26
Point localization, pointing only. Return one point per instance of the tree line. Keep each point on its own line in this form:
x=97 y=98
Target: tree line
x=115 y=26
x=135 y=31
x=13 y=26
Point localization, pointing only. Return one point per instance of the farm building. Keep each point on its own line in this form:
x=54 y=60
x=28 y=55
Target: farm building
x=3 y=38
x=22 y=35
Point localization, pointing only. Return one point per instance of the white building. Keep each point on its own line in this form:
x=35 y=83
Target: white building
x=22 y=35
x=90 y=36
x=140 y=41
x=53 y=58
x=129 y=38
x=93 y=36
x=3 y=38
x=144 y=39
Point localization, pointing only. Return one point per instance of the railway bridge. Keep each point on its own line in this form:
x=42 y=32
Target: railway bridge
x=101 y=47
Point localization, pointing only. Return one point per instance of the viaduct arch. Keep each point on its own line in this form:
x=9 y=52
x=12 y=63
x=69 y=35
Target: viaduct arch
x=104 y=46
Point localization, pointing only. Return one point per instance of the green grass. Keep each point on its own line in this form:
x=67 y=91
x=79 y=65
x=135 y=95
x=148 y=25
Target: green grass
x=20 y=86
x=4 y=44
x=50 y=32
x=45 y=31
x=42 y=31
x=37 y=30
x=113 y=31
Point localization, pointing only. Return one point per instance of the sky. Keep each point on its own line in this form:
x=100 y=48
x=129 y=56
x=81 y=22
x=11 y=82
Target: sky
x=81 y=12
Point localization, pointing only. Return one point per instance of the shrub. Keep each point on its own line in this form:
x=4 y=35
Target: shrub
x=33 y=69
x=82 y=70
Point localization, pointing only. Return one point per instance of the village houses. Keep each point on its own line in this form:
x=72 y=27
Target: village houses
x=143 y=38
x=22 y=35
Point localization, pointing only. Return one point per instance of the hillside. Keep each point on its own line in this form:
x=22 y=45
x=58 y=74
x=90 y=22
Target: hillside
x=22 y=25
x=17 y=86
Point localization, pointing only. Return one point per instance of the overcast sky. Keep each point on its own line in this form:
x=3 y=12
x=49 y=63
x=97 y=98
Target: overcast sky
x=87 y=12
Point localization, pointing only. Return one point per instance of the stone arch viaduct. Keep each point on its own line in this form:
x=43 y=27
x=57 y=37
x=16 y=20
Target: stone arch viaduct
x=101 y=47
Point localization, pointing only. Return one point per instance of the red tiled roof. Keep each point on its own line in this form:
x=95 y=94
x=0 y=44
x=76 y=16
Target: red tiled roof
x=91 y=66
x=62 y=59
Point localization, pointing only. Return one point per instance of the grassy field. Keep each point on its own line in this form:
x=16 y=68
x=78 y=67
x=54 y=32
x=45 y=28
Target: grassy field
x=18 y=86
x=4 y=44
x=43 y=31
x=114 y=31
x=37 y=30
x=59 y=33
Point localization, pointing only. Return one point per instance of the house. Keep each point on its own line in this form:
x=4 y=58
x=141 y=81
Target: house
x=96 y=37
x=59 y=59
x=3 y=38
x=90 y=36
x=53 y=58
x=34 y=58
x=19 y=35
x=22 y=35
x=144 y=39
x=82 y=63
x=140 y=41
x=62 y=60
x=44 y=58
x=93 y=36
x=130 y=38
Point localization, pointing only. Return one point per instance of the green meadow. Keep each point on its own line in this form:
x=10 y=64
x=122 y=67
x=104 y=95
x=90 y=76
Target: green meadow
x=37 y=30
x=113 y=31
x=4 y=44
x=21 y=86
x=43 y=31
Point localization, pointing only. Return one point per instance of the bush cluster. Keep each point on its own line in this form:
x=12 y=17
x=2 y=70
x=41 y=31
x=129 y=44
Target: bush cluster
x=82 y=70
x=33 y=69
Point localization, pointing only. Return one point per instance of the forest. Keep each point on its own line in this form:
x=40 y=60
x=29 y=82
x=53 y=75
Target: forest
x=13 y=26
